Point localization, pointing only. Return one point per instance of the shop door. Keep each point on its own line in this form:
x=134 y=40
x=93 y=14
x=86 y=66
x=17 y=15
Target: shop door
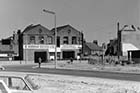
x=68 y=54
x=43 y=56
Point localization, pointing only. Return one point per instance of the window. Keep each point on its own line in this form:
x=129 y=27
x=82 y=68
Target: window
x=58 y=41
x=18 y=84
x=41 y=40
x=2 y=88
x=79 y=40
x=74 y=40
x=49 y=40
x=32 y=40
x=65 y=40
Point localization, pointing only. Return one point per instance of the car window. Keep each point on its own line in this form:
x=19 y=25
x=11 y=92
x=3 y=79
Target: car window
x=2 y=88
x=31 y=82
x=17 y=83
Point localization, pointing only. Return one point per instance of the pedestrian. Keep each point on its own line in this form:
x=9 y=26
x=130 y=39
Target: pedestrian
x=71 y=60
x=39 y=61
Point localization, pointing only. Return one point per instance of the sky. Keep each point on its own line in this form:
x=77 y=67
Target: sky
x=97 y=19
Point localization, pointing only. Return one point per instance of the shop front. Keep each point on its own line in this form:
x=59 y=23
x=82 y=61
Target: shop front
x=70 y=51
x=33 y=52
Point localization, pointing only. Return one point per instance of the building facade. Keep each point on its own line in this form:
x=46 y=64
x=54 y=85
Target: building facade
x=92 y=49
x=69 y=42
x=131 y=45
x=9 y=47
x=39 y=41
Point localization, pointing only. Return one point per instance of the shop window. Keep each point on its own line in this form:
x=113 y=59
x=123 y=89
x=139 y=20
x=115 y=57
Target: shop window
x=65 y=40
x=74 y=40
x=32 y=40
x=41 y=39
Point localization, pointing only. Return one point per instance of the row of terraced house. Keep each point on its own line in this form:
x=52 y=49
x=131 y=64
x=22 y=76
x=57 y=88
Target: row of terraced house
x=37 y=41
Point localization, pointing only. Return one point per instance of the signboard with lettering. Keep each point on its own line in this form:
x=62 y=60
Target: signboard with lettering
x=70 y=46
x=51 y=48
x=39 y=46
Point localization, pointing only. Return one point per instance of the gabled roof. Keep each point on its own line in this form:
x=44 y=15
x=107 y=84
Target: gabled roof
x=30 y=27
x=93 y=46
x=60 y=27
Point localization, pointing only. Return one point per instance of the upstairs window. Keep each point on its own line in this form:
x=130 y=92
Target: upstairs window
x=41 y=39
x=74 y=40
x=80 y=40
x=49 y=40
x=65 y=40
x=32 y=40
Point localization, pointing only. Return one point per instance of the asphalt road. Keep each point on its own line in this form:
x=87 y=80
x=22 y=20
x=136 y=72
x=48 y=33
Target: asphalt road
x=100 y=74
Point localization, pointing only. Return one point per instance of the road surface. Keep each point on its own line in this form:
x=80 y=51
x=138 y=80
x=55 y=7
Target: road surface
x=100 y=74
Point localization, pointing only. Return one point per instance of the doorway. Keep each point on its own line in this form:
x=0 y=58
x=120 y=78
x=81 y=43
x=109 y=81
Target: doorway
x=43 y=56
x=68 y=54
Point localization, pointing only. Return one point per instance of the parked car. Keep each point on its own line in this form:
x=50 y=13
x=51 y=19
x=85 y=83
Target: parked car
x=17 y=84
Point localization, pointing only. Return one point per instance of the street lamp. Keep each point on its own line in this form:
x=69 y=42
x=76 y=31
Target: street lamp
x=119 y=35
x=53 y=13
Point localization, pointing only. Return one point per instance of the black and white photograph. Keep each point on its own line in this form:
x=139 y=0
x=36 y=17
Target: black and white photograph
x=69 y=46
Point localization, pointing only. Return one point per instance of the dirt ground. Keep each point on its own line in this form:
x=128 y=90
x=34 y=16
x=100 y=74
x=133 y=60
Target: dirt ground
x=52 y=83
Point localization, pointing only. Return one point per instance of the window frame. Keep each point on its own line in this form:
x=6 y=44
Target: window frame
x=65 y=40
x=74 y=40
x=32 y=39
x=41 y=39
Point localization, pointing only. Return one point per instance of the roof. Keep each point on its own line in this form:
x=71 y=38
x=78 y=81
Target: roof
x=93 y=46
x=30 y=27
x=128 y=47
x=60 y=27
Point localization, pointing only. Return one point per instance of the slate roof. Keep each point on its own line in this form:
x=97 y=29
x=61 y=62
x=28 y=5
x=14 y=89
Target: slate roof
x=60 y=27
x=93 y=46
x=30 y=27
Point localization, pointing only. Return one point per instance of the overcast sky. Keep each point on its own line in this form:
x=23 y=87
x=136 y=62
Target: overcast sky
x=96 y=18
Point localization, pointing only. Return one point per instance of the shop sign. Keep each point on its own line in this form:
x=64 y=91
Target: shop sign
x=39 y=46
x=71 y=46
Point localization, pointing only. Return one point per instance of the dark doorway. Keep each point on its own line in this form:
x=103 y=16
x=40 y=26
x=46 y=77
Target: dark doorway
x=43 y=56
x=68 y=54
x=136 y=56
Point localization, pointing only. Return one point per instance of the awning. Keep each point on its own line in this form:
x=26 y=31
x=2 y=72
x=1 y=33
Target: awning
x=128 y=47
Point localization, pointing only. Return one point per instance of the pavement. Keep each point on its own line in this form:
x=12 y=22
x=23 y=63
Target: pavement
x=78 y=65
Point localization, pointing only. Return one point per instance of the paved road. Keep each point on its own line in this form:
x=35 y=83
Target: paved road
x=110 y=75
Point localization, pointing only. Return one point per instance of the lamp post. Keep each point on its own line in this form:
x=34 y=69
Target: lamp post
x=53 y=13
x=119 y=37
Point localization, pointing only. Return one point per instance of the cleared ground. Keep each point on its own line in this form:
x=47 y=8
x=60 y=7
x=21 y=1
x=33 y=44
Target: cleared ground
x=83 y=65
x=50 y=83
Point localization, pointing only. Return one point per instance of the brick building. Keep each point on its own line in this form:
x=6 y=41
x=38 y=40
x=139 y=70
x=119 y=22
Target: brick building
x=37 y=41
x=92 y=49
x=69 y=42
x=131 y=45
x=9 y=47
